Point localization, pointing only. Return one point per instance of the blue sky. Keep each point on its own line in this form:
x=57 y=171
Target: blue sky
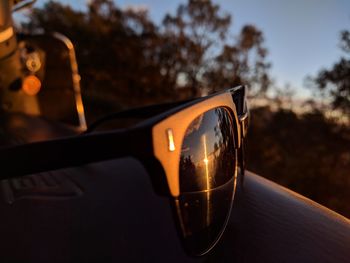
x=302 y=35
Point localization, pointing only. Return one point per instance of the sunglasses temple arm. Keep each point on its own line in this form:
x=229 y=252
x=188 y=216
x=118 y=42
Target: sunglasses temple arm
x=141 y=113
x=69 y=152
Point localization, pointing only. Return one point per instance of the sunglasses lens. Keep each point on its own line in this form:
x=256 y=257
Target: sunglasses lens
x=208 y=170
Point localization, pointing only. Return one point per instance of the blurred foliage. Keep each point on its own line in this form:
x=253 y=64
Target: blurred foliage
x=306 y=153
x=334 y=83
x=126 y=60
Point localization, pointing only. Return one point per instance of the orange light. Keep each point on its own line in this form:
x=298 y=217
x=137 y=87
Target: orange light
x=31 y=85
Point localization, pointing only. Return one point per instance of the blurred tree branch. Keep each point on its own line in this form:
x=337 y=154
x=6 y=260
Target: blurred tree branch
x=334 y=83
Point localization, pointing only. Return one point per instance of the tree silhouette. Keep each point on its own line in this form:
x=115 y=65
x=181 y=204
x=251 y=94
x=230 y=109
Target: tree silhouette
x=242 y=62
x=201 y=30
x=334 y=83
x=197 y=27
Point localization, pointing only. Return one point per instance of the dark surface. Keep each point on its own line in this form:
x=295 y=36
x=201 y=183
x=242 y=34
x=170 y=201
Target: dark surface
x=18 y=128
x=108 y=212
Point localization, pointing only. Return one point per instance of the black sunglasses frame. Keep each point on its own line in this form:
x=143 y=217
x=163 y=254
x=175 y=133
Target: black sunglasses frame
x=156 y=141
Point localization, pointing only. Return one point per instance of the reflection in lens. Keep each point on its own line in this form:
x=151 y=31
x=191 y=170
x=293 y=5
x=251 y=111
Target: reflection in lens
x=207 y=179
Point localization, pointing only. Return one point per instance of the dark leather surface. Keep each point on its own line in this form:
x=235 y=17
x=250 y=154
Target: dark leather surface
x=108 y=212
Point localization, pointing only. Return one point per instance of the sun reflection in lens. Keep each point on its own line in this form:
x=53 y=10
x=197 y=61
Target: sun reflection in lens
x=207 y=178
x=206 y=162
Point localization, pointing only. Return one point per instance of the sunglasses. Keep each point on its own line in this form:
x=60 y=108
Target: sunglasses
x=193 y=152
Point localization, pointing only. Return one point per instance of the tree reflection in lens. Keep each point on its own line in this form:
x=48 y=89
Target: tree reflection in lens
x=208 y=169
